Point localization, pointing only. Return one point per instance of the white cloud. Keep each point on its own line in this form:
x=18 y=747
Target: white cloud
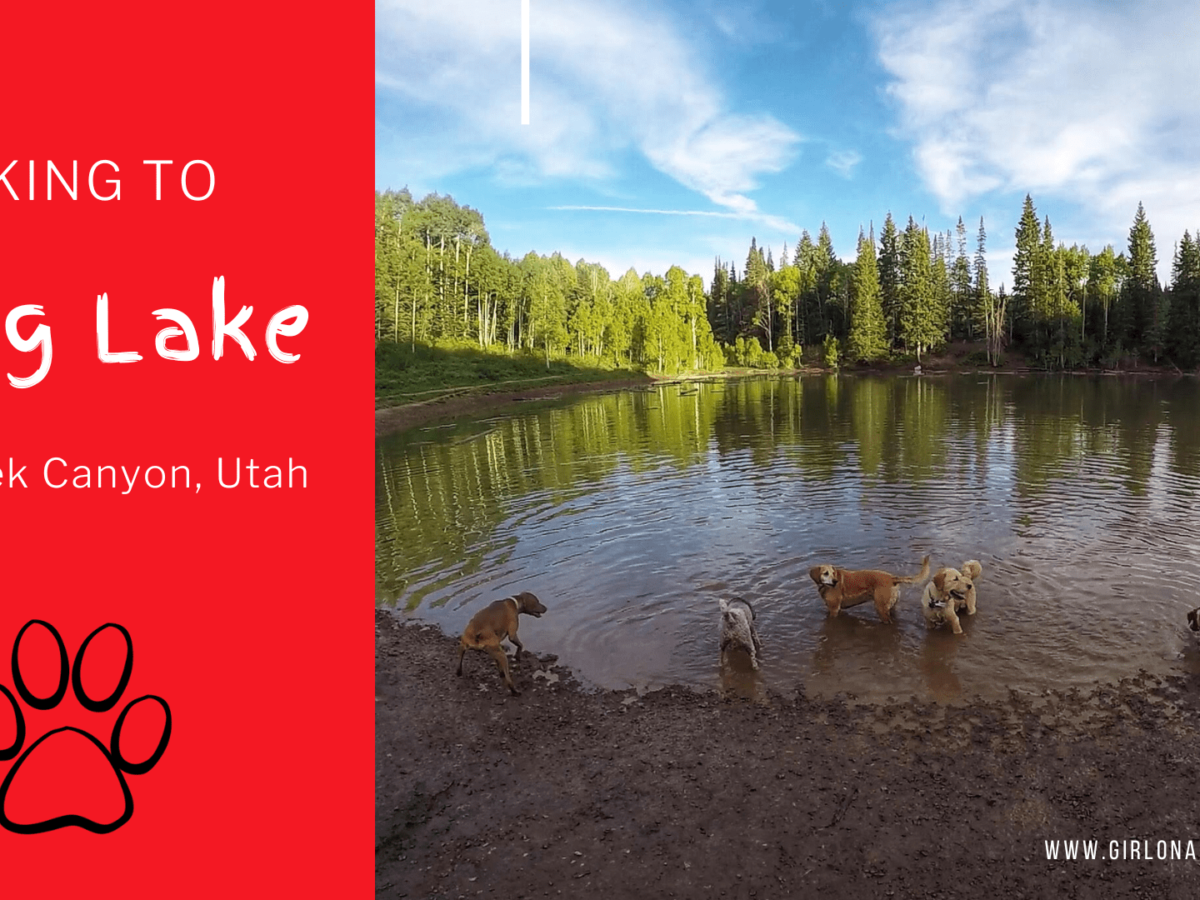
x=776 y=222
x=605 y=78
x=843 y=162
x=1093 y=104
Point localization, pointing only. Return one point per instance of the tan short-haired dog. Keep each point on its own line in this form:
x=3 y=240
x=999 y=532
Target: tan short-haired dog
x=845 y=588
x=950 y=592
x=494 y=623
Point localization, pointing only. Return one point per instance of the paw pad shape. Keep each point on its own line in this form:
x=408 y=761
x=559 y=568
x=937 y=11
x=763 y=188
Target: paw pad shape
x=111 y=756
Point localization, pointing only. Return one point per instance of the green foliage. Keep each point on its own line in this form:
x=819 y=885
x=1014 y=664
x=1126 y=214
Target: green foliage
x=831 y=352
x=920 y=321
x=867 y=339
x=1184 y=310
x=405 y=372
x=439 y=283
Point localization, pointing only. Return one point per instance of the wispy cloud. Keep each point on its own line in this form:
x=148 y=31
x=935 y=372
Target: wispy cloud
x=776 y=222
x=606 y=78
x=1091 y=103
x=844 y=162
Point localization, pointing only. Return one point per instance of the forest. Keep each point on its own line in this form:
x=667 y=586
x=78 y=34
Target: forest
x=907 y=293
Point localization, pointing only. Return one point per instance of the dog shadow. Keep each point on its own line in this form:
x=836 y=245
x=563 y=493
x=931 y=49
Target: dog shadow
x=739 y=678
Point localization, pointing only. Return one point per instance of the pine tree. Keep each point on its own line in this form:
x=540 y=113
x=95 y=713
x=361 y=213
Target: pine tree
x=756 y=287
x=1184 y=311
x=919 y=328
x=889 y=279
x=867 y=339
x=940 y=279
x=808 y=300
x=962 y=324
x=1143 y=294
x=983 y=306
x=719 y=313
x=828 y=269
x=1026 y=270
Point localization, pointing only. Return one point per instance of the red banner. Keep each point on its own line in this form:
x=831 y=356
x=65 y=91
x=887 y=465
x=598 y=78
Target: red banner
x=185 y=430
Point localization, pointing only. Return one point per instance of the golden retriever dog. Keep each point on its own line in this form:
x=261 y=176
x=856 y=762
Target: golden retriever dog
x=845 y=588
x=950 y=592
x=494 y=623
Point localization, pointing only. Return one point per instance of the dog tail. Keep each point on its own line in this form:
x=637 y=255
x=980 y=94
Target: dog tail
x=746 y=602
x=920 y=576
x=972 y=569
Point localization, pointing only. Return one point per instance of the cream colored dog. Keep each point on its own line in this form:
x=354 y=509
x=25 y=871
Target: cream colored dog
x=950 y=592
x=846 y=587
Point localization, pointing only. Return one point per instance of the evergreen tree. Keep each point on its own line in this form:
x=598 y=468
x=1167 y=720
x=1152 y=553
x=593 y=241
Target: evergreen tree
x=867 y=339
x=718 y=303
x=889 y=278
x=962 y=319
x=831 y=287
x=983 y=306
x=1142 y=296
x=808 y=301
x=919 y=327
x=1026 y=271
x=940 y=279
x=1184 y=311
x=756 y=288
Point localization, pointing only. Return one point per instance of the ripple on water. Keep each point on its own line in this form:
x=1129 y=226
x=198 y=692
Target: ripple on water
x=630 y=514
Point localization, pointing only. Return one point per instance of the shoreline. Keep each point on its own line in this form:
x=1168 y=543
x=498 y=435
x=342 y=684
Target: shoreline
x=566 y=790
x=472 y=400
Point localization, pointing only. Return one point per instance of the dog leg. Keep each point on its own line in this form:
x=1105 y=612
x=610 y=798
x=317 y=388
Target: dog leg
x=497 y=653
x=462 y=648
x=882 y=606
x=952 y=618
x=971 y=604
x=516 y=640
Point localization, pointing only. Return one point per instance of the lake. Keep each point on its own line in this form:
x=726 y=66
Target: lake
x=629 y=514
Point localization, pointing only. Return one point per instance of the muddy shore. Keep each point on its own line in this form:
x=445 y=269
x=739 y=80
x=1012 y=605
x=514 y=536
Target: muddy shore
x=570 y=792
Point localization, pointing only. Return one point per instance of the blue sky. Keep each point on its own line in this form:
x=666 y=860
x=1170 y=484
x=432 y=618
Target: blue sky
x=668 y=133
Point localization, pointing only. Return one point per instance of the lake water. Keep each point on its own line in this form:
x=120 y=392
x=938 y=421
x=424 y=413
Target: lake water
x=629 y=514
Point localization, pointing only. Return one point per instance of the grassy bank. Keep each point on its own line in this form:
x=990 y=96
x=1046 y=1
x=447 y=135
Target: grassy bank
x=405 y=375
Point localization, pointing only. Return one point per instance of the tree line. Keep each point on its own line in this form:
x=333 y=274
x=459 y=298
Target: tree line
x=439 y=280
x=909 y=291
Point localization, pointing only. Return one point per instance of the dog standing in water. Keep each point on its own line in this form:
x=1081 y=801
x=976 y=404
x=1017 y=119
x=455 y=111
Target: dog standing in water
x=737 y=628
x=845 y=587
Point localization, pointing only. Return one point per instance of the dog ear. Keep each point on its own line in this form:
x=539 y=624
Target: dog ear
x=939 y=580
x=815 y=574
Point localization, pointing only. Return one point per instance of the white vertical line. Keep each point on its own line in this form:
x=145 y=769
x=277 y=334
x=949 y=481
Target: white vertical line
x=524 y=62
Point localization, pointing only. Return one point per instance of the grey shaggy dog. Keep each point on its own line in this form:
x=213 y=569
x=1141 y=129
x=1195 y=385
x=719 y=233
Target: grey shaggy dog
x=1194 y=619
x=737 y=628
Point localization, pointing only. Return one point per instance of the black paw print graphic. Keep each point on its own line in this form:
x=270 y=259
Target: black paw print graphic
x=112 y=753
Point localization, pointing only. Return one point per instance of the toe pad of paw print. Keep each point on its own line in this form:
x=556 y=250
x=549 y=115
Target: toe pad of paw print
x=68 y=776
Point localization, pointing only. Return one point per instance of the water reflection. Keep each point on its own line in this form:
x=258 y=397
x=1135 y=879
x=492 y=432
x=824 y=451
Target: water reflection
x=630 y=513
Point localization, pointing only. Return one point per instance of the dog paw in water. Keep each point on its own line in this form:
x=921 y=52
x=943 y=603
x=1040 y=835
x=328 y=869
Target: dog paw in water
x=67 y=766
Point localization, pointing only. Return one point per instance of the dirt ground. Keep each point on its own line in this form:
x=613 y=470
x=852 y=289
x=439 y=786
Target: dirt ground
x=568 y=792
